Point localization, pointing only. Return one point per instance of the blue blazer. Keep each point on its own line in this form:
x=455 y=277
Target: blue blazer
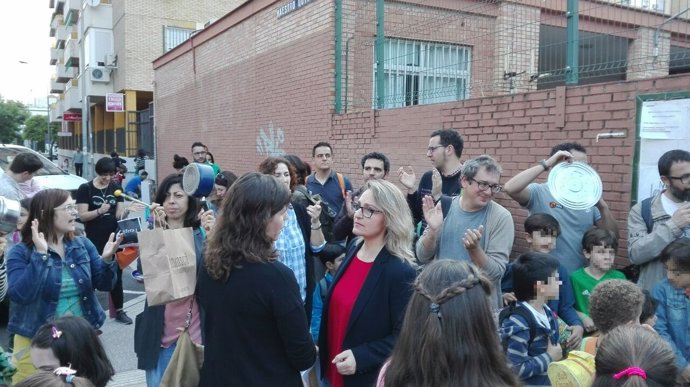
x=376 y=316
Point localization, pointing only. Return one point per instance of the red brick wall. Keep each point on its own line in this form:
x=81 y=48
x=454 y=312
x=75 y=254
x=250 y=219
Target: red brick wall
x=518 y=130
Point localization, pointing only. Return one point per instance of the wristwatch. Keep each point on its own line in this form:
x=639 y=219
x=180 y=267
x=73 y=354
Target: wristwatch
x=543 y=164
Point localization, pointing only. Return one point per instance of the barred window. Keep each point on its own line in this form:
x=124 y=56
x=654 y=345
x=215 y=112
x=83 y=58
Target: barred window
x=173 y=36
x=418 y=73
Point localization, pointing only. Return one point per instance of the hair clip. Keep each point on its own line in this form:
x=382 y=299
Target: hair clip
x=435 y=308
x=56 y=332
x=631 y=371
x=67 y=372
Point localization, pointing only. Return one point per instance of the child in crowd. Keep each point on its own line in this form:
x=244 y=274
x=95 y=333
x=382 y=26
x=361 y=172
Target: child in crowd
x=673 y=296
x=632 y=356
x=331 y=256
x=648 y=316
x=449 y=309
x=613 y=303
x=599 y=248
x=63 y=377
x=71 y=341
x=16 y=235
x=541 y=232
x=535 y=279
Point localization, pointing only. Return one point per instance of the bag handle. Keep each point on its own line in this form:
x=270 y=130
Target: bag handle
x=188 y=321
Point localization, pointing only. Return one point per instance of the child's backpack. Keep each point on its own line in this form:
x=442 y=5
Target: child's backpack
x=632 y=271
x=516 y=308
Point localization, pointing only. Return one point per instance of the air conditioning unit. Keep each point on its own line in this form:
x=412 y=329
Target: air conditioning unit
x=110 y=60
x=100 y=74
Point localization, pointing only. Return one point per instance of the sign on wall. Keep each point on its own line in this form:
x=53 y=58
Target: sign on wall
x=661 y=126
x=291 y=6
x=115 y=102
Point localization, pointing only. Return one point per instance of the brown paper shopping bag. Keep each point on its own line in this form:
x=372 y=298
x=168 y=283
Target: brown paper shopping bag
x=168 y=260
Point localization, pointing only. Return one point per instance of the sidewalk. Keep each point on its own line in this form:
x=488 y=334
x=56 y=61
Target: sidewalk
x=118 y=341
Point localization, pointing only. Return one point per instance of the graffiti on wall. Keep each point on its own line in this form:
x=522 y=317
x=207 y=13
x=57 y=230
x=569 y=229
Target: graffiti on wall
x=269 y=141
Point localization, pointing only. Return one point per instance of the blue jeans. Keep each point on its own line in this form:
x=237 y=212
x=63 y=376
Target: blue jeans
x=154 y=376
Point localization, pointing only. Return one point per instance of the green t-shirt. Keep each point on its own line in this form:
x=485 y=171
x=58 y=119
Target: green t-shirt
x=583 y=284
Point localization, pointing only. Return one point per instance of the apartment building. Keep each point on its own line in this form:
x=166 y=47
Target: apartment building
x=105 y=48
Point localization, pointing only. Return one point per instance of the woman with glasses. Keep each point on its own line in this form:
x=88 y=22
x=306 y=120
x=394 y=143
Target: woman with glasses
x=99 y=210
x=364 y=308
x=301 y=235
x=53 y=273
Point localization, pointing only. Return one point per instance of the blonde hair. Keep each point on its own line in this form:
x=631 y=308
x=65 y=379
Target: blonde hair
x=399 y=225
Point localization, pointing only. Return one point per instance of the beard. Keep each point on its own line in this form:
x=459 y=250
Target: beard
x=680 y=194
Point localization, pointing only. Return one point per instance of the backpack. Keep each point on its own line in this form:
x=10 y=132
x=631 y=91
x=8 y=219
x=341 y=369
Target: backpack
x=521 y=311
x=632 y=271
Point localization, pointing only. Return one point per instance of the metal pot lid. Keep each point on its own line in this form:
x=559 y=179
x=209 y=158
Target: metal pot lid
x=575 y=185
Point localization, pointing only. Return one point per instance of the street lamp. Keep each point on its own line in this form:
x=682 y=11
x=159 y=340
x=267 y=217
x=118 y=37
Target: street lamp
x=50 y=132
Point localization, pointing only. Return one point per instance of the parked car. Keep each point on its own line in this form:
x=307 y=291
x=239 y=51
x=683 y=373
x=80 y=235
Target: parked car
x=50 y=176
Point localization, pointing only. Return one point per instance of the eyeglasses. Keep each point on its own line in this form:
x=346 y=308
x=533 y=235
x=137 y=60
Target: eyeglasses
x=483 y=185
x=68 y=208
x=366 y=211
x=685 y=179
x=431 y=149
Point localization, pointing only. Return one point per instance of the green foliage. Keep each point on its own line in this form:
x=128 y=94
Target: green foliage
x=35 y=130
x=13 y=114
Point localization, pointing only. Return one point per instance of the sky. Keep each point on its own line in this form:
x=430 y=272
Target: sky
x=25 y=27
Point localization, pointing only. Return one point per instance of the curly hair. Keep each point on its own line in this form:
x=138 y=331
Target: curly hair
x=615 y=302
x=269 y=165
x=448 y=335
x=240 y=233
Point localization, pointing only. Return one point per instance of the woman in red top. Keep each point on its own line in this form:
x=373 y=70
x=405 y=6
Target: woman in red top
x=364 y=308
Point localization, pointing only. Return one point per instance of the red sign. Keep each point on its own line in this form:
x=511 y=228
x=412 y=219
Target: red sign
x=67 y=116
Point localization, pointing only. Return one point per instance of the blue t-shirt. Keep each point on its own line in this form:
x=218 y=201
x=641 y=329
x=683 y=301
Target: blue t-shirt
x=331 y=192
x=574 y=224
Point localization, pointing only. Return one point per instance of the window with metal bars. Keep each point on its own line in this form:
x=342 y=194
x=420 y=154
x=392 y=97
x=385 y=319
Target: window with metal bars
x=173 y=36
x=419 y=73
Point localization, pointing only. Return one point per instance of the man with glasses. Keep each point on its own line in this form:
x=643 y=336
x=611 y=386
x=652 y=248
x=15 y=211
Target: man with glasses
x=475 y=228
x=99 y=210
x=668 y=214
x=537 y=198
x=444 y=151
x=199 y=152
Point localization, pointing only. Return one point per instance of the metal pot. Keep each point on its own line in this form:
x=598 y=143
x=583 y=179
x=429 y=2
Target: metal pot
x=9 y=214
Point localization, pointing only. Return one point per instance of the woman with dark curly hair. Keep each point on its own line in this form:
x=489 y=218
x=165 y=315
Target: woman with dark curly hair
x=256 y=329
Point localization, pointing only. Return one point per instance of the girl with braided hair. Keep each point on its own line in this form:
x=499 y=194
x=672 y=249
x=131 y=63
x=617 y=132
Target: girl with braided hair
x=364 y=308
x=448 y=337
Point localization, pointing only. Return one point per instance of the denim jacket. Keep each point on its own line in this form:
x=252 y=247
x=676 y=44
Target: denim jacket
x=35 y=280
x=672 y=320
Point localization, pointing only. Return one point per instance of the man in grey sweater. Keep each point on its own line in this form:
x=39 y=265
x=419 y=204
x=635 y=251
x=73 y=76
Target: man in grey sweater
x=476 y=228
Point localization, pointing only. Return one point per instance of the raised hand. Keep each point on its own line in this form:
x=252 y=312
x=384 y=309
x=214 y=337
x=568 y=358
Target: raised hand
x=348 y=204
x=436 y=184
x=207 y=219
x=407 y=178
x=314 y=212
x=433 y=214
x=111 y=247
x=558 y=157
x=472 y=237
x=38 y=238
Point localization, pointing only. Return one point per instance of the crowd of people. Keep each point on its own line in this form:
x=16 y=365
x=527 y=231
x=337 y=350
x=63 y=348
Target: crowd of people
x=303 y=280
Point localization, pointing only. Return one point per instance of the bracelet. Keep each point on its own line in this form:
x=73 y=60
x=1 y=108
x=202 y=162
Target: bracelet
x=316 y=228
x=543 y=164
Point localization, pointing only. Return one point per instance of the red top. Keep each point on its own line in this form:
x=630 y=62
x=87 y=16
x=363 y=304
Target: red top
x=342 y=302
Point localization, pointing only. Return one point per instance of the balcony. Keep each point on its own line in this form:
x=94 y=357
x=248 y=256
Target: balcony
x=98 y=17
x=72 y=96
x=71 y=54
x=59 y=5
x=55 y=111
x=71 y=11
x=64 y=73
x=54 y=55
x=56 y=23
x=56 y=87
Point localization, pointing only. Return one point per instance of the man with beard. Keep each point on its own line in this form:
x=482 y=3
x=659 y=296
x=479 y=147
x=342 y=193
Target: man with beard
x=444 y=151
x=537 y=198
x=669 y=213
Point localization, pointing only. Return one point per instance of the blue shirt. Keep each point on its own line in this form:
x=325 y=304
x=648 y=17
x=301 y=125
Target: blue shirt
x=331 y=192
x=672 y=314
x=317 y=305
x=133 y=185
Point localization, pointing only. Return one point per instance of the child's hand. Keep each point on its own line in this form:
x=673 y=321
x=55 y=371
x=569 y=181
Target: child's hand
x=589 y=324
x=575 y=338
x=508 y=298
x=555 y=351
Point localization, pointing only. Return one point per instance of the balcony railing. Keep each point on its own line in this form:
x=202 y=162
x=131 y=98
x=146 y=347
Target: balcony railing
x=72 y=99
x=71 y=54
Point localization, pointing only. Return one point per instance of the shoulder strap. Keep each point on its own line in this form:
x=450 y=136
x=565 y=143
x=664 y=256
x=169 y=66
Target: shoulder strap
x=323 y=287
x=646 y=212
x=446 y=202
x=531 y=322
x=341 y=182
